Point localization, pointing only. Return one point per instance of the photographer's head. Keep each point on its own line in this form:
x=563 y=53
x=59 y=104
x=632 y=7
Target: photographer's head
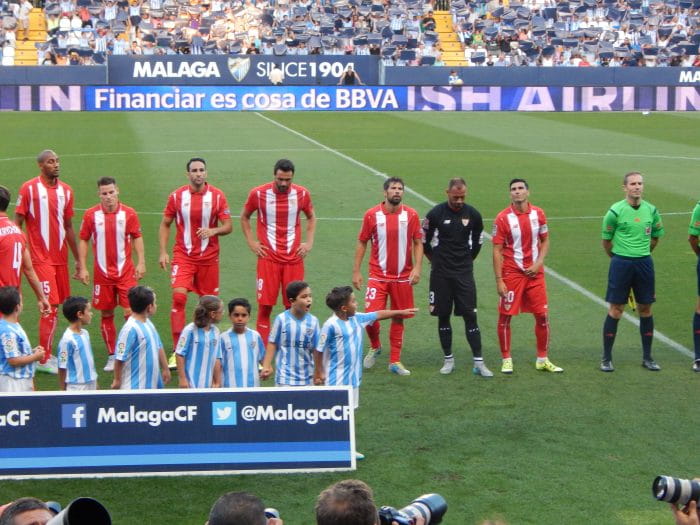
x=348 y=502
x=26 y=511
x=240 y=508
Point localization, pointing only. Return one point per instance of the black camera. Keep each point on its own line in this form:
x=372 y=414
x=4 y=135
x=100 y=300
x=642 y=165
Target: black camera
x=432 y=507
x=675 y=490
x=82 y=511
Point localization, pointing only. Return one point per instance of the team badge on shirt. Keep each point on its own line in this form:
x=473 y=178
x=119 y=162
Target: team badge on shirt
x=9 y=343
x=465 y=221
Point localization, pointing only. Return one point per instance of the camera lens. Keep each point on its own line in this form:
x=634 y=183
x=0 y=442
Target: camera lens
x=675 y=490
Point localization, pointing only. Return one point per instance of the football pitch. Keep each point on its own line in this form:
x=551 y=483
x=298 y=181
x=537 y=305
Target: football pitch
x=581 y=447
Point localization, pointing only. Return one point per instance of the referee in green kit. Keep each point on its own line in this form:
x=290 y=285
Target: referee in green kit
x=631 y=230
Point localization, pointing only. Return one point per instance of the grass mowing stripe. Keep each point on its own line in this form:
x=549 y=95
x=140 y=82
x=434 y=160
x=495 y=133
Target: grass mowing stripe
x=561 y=278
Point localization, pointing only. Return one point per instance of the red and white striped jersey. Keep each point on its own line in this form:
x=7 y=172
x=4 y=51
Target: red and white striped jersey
x=46 y=210
x=391 y=236
x=111 y=235
x=279 y=227
x=520 y=233
x=12 y=243
x=192 y=211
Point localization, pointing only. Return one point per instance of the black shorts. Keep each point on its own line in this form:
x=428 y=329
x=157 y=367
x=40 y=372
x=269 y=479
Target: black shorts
x=446 y=292
x=697 y=271
x=631 y=273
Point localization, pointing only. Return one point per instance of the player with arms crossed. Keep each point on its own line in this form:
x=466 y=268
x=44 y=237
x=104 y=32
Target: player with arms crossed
x=14 y=255
x=452 y=240
x=520 y=244
x=202 y=214
x=693 y=235
x=279 y=246
x=114 y=229
x=396 y=238
x=631 y=230
x=45 y=204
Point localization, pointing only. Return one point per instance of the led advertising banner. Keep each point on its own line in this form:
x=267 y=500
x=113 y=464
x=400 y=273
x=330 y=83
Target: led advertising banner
x=208 y=70
x=166 y=432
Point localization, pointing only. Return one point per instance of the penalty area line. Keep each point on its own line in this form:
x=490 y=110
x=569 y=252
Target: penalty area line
x=556 y=275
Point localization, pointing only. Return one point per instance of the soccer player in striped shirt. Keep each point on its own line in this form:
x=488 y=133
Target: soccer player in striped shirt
x=396 y=238
x=17 y=357
x=198 y=353
x=140 y=361
x=693 y=236
x=14 y=255
x=76 y=364
x=279 y=245
x=45 y=204
x=338 y=357
x=114 y=230
x=201 y=215
x=520 y=244
x=293 y=338
x=242 y=348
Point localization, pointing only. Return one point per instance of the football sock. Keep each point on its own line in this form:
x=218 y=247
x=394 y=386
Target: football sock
x=646 y=330
x=504 y=335
x=177 y=316
x=609 y=333
x=473 y=333
x=542 y=335
x=109 y=332
x=47 y=327
x=395 y=341
x=262 y=324
x=445 y=334
x=373 y=333
x=696 y=334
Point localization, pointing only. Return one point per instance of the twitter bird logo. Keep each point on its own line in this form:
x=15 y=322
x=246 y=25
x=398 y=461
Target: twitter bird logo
x=223 y=413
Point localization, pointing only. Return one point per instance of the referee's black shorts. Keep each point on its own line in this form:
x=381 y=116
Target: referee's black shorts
x=448 y=292
x=631 y=273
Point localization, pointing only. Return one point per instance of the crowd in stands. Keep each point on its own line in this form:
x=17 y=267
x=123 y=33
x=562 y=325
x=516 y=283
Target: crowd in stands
x=495 y=33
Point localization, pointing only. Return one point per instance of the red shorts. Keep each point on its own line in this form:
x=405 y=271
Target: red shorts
x=525 y=294
x=54 y=280
x=200 y=278
x=273 y=277
x=107 y=296
x=400 y=293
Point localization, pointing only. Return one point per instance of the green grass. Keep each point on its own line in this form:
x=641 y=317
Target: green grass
x=577 y=448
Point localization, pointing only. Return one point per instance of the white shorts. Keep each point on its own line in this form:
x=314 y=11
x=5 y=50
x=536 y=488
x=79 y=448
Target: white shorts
x=92 y=385
x=12 y=384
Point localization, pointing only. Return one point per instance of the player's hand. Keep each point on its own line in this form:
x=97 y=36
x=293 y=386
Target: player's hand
x=44 y=306
x=409 y=312
x=116 y=384
x=84 y=276
x=533 y=270
x=166 y=376
x=79 y=271
x=205 y=233
x=183 y=383
x=319 y=379
x=414 y=276
x=265 y=372
x=39 y=353
x=501 y=288
x=140 y=271
x=304 y=249
x=357 y=280
x=258 y=249
x=164 y=261
x=688 y=515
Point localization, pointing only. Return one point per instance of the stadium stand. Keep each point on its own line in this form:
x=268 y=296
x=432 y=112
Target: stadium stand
x=403 y=32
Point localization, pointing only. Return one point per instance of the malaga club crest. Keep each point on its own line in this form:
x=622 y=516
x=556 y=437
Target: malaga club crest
x=238 y=67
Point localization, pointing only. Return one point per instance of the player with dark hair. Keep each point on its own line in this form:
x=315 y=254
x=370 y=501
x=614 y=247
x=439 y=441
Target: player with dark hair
x=631 y=230
x=45 y=204
x=452 y=241
x=240 y=508
x=140 y=361
x=114 y=230
x=242 y=349
x=202 y=215
x=693 y=235
x=520 y=245
x=279 y=245
x=394 y=231
x=15 y=256
x=76 y=362
x=26 y=511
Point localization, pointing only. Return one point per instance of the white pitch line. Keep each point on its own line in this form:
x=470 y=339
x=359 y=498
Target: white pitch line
x=564 y=280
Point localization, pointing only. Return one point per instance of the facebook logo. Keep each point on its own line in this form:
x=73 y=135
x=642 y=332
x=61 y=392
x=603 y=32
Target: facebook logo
x=223 y=413
x=73 y=416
